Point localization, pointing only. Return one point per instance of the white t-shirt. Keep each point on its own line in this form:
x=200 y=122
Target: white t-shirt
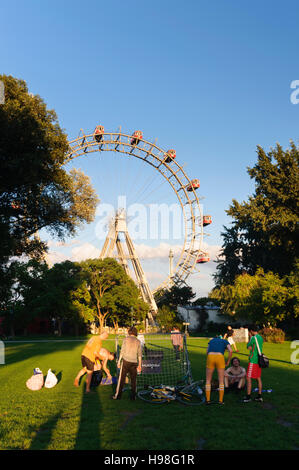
x=141 y=339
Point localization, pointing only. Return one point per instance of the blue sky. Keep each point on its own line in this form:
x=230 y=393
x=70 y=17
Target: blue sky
x=210 y=79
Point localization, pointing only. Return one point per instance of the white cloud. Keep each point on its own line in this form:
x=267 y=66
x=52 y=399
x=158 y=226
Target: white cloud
x=85 y=251
x=53 y=257
x=161 y=251
x=154 y=260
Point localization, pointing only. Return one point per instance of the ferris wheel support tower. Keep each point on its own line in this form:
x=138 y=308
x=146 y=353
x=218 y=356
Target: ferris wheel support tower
x=118 y=232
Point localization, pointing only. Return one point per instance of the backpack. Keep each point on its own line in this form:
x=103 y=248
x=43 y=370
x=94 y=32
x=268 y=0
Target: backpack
x=96 y=378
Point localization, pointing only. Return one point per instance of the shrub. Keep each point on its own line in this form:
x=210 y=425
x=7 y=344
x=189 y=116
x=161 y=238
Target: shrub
x=272 y=335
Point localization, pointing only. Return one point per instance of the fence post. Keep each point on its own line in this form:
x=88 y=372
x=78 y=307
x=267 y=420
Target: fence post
x=2 y=352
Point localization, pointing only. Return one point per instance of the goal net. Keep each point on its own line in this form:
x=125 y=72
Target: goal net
x=164 y=359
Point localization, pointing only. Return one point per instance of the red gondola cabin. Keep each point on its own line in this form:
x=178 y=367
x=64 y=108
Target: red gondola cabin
x=204 y=258
x=170 y=155
x=207 y=220
x=136 y=136
x=195 y=184
x=98 y=133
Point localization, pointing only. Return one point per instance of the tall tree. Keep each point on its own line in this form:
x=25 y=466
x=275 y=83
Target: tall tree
x=174 y=296
x=260 y=298
x=22 y=300
x=35 y=189
x=111 y=292
x=264 y=230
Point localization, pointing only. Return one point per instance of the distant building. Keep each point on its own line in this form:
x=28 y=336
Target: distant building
x=190 y=314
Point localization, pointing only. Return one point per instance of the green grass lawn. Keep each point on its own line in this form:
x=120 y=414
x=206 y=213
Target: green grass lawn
x=66 y=418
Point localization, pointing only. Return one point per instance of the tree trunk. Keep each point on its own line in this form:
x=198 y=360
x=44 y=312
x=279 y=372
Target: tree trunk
x=59 y=321
x=12 y=330
x=115 y=325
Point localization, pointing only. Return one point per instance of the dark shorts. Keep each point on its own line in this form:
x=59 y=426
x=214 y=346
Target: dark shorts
x=87 y=363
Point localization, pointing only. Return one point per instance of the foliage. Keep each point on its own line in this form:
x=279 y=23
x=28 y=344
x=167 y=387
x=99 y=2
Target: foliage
x=264 y=231
x=261 y=298
x=74 y=292
x=272 y=335
x=35 y=190
x=175 y=296
x=64 y=296
x=110 y=292
x=166 y=317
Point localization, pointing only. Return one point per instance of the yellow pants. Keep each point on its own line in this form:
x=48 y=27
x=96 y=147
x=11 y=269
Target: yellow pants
x=215 y=360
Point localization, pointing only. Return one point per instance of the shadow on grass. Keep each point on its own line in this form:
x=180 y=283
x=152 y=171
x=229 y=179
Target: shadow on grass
x=88 y=436
x=20 y=352
x=44 y=434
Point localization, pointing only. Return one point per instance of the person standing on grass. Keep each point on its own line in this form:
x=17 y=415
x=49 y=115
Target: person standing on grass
x=229 y=335
x=129 y=363
x=215 y=358
x=88 y=358
x=177 y=342
x=254 y=371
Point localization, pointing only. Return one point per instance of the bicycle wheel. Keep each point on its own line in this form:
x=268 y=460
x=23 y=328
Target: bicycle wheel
x=191 y=395
x=150 y=397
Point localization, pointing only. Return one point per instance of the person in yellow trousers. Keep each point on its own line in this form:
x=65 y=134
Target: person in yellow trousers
x=215 y=359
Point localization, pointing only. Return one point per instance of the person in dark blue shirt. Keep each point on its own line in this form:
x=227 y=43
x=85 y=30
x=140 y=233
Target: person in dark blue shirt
x=215 y=358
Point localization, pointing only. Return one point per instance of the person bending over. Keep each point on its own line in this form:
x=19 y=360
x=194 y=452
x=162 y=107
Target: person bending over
x=88 y=359
x=105 y=356
x=215 y=359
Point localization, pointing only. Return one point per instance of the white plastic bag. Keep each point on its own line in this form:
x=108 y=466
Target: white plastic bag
x=36 y=381
x=51 y=379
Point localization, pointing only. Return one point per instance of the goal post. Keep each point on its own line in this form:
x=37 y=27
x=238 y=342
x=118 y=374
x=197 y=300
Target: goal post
x=165 y=359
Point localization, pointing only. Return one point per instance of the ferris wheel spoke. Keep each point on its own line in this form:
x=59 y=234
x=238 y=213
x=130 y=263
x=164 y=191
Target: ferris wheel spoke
x=142 y=189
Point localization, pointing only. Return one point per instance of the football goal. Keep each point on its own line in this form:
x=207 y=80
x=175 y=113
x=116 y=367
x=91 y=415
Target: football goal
x=164 y=359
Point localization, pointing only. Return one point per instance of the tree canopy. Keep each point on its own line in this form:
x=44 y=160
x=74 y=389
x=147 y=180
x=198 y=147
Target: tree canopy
x=111 y=292
x=174 y=296
x=91 y=291
x=35 y=189
x=257 y=274
x=264 y=231
x=261 y=298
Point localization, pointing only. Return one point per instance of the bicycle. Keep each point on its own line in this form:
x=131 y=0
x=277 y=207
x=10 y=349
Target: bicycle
x=187 y=394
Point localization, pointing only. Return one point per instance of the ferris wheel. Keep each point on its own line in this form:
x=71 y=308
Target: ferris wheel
x=165 y=163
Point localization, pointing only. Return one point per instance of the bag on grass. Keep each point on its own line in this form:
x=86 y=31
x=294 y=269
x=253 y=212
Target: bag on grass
x=96 y=378
x=36 y=381
x=106 y=381
x=263 y=361
x=51 y=379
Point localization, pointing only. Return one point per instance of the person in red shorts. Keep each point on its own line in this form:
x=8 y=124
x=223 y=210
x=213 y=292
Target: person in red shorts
x=253 y=370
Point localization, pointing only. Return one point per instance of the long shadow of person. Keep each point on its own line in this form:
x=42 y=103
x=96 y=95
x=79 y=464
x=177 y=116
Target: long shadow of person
x=44 y=434
x=88 y=436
